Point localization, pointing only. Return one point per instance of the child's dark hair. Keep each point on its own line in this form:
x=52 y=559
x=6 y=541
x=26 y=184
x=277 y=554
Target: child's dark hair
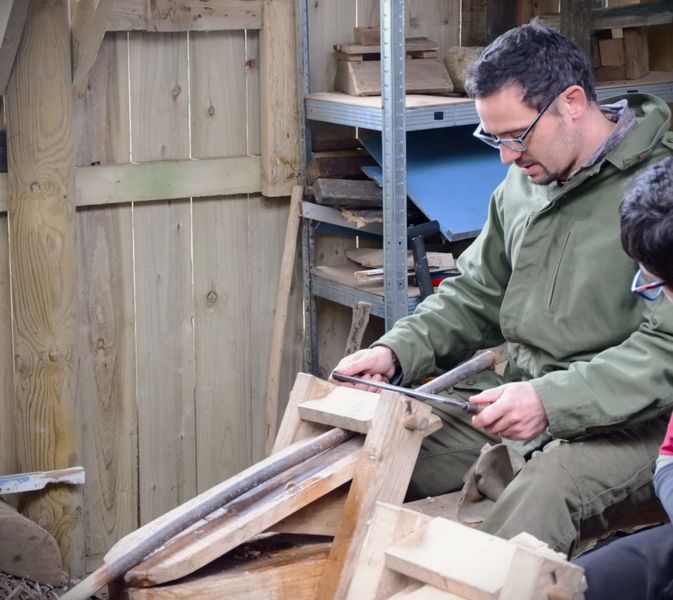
x=646 y=214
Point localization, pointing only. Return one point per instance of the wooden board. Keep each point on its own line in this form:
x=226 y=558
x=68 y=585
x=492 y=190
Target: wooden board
x=204 y=15
x=252 y=92
x=292 y=573
x=106 y=344
x=420 y=44
x=439 y=21
x=426 y=556
x=347 y=192
x=342 y=407
x=8 y=458
x=422 y=76
x=220 y=532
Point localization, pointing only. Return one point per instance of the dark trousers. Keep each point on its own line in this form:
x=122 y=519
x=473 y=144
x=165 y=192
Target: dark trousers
x=635 y=567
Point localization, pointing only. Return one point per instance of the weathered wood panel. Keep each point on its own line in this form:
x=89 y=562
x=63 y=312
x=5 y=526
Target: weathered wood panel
x=163 y=275
x=223 y=354
x=8 y=459
x=43 y=263
x=252 y=79
x=106 y=347
x=218 y=94
x=438 y=20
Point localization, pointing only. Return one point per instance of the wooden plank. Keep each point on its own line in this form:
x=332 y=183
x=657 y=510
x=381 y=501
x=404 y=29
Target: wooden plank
x=267 y=225
x=28 y=482
x=159 y=98
x=89 y=21
x=128 y=15
x=422 y=76
x=218 y=94
x=424 y=555
x=424 y=592
x=358 y=326
x=347 y=192
x=576 y=23
x=391 y=452
x=388 y=524
x=8 y=458
x=252 y=92
x=318 y=518
x=282 y=302
x=160 y=180
x=343 y=407
x=101 y=117
x=13 y=17
x=204 y=15
x=279 y=113
x=292 y=573
x=29 y=550
x=636 y=52
x=340 y=164
x=163 y=267
x=43 y=262
x=484 y=20
x=222 y=340
x=106 y=345
x=438 y=20
x=419 y=44
x=106 y=387
x=221 y=532
x=633 y=15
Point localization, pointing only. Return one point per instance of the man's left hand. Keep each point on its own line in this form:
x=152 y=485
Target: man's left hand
x=513 y=411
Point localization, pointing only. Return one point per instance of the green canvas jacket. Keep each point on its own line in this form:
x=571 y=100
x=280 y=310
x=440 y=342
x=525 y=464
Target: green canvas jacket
x=548 y=275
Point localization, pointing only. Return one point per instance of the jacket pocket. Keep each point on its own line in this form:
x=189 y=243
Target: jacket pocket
x=562 y=271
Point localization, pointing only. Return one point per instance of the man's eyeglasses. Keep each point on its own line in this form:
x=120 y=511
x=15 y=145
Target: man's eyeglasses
x=513 y=143
x=647 y=286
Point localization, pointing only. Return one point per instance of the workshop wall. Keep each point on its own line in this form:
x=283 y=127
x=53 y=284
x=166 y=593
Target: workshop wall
x=176 y=297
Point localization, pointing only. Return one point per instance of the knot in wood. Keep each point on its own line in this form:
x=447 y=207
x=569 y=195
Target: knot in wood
x=414 y=423
x=176 y=91
x=55 y=354
x=251 y=63
x=211 y=297
x=35 y=187
x=211 y=110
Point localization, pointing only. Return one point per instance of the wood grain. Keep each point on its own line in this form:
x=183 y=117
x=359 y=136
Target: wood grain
x=8 y=458
x=43 y=267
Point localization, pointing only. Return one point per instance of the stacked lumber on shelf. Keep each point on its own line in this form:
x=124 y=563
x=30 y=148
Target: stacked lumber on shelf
x=620 y=54
x=359 y=66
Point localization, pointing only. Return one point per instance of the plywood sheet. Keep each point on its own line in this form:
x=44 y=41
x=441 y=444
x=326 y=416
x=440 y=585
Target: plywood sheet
x=450 y=177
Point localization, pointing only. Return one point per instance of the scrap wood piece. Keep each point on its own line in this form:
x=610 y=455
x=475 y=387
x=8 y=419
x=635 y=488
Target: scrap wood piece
x=358 y=326
x=28 y=550
x=373 y=258
x=28 y=482
x=411 y=44
x=292 y=573
x=361 y=218
x=227 y=528
x=131 y=549
x=347 y=193
x=356 y=410
x=340 y=164
x=280 y=321
x=389 y=455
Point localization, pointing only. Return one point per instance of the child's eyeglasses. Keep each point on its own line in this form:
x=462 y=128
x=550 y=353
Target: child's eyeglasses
x=647 y=286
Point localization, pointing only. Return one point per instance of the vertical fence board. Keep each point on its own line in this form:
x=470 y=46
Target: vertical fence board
x=159 y=98
x=101 y=117
x=8 y=458
x=106 y=385
x=222 y=338
x=218 y=95
x=106 y=344
x=252 y=91
x=163 y=271
x=268 y=219
x=368 y=13
x=438 y=20
x=222 y=306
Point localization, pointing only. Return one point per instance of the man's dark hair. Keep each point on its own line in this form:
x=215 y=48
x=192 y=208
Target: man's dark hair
x=646 y=214
x=539 y=60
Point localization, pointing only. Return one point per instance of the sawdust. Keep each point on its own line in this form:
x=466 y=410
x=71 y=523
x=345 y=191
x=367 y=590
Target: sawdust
x=19 y=588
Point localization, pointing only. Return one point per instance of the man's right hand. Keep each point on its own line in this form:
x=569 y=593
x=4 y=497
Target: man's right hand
x=377 y=364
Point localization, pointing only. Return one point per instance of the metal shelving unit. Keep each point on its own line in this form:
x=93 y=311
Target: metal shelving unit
x=393 y=114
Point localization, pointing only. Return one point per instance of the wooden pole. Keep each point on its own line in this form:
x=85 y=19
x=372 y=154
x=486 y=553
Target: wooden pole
x=43 y=268
x=576 y=23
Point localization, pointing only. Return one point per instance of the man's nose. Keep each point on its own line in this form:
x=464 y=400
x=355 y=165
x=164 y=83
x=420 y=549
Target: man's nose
x=507 y=155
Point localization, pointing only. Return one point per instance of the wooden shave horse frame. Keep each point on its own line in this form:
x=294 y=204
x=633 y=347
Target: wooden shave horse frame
x=319 y=425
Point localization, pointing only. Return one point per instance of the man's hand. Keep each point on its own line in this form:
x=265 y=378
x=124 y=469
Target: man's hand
x=513 y=411
x=377 y=364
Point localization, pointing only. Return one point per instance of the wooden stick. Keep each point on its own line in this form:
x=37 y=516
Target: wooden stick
x=126 y=554
x=28 y=482
x=475 y=365
x=282 y=300
x=358 y=326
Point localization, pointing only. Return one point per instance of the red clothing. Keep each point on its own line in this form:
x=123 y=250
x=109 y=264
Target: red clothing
x=667 y=447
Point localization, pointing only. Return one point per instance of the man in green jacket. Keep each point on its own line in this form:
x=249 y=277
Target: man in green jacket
x=589 y=382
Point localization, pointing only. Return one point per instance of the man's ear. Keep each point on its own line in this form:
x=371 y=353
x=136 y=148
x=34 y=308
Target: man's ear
x=573 y=101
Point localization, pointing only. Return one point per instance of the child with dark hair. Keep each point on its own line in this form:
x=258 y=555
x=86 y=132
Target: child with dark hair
x=640 y=566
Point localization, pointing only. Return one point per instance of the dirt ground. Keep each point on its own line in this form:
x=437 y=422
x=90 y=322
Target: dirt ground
x=17 y=588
